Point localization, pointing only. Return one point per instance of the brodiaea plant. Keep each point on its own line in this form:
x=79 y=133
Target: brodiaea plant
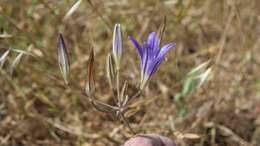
x=151 y=56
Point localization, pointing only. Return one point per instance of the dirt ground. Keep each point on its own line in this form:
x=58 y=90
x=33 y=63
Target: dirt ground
x=37 y=110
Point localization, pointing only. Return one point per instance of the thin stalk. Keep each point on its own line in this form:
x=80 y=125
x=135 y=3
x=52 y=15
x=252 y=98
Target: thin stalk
x=127 y=123
x=115 y=96
x=92 y=99
x=118 y=87
x=104 y=104
x=97 y=108
x=137 y=94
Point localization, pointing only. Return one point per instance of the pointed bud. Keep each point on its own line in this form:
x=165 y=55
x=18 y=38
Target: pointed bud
x=117 y=45
x=90 y=84
x=63 y=59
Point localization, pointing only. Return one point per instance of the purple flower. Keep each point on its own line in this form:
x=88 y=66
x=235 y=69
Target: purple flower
x=151 y=55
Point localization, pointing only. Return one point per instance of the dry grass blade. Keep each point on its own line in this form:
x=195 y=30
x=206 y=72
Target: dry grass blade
x=204 y=76
x=199 y=68
x=162 y=28
x=180 y=135
x=24 y=52
x=63 y=59
x=72 y=10
x=3 y=58
x=5 y=36
x=90 y=84
x=16 y=61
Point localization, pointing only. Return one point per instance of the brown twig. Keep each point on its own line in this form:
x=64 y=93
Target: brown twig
x=95 y=9
x=224 y=37
x=230 y=133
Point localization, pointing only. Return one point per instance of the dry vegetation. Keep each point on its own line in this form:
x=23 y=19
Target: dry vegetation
x=35 y=110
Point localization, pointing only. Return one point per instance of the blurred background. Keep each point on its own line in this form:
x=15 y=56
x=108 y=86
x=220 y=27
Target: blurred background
x=35 y=110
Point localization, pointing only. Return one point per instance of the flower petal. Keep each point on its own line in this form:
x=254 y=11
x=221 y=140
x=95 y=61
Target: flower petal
x=145 y=61
x=154 y=66
x=137 y=46
x=162 y=52
x=153 y=41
